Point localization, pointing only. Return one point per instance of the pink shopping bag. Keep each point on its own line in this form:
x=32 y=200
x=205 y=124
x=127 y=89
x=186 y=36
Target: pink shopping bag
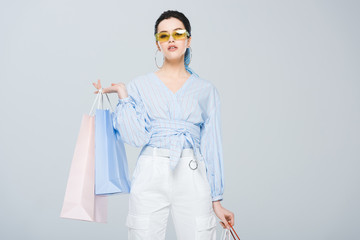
x=80 y=201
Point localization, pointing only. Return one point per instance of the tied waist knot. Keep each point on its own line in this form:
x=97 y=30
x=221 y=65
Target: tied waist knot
x=179 y=132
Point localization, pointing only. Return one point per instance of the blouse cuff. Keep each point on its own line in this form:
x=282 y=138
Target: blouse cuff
x=124 y=100
x=217 y=198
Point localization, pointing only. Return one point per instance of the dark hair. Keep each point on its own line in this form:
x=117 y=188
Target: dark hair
x=175 y=14
x=180 y=16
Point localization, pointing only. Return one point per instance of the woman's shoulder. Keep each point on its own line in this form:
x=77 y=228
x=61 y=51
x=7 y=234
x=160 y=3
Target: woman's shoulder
x=203 y=83
x=137 y=81
x=207 y=85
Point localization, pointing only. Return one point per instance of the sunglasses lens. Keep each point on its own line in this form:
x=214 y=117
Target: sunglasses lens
x=162 y=37
x=180 y=34
x=177 y=35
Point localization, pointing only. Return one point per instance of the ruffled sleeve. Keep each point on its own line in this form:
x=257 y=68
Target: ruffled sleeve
x=130 y=118
x=211 y=147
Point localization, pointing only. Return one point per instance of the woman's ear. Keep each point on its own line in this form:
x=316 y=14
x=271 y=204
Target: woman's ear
x=188 y=43
x=157 y=45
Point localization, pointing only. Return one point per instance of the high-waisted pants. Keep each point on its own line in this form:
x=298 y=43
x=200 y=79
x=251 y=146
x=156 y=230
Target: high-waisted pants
x=157 y=190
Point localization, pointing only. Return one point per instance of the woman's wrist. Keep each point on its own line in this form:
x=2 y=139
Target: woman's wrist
x=216 y=203
x=122 y=94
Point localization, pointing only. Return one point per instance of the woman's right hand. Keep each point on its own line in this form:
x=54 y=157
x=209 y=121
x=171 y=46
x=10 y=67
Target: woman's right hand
x=119 y=88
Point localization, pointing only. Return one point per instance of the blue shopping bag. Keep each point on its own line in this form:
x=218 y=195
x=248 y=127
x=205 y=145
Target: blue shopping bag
x=111 y=166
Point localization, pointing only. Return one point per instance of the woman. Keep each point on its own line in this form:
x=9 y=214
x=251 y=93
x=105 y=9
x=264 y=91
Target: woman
x=175 y=116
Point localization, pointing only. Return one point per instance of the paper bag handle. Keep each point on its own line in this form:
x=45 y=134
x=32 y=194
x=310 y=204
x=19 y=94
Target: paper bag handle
x=97 y=98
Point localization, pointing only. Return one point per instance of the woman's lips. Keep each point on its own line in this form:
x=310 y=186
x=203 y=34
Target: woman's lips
x=172 y=49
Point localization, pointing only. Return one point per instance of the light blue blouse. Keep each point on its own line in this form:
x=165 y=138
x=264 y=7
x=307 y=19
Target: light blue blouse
x=190 y=118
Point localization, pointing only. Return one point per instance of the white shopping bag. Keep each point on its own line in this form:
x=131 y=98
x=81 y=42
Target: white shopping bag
x=225 y=235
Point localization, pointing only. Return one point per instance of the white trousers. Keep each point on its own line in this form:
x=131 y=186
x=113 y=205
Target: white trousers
x=157 y=190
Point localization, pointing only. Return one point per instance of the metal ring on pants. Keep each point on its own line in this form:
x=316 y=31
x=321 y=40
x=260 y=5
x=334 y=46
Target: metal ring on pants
x=157 y=190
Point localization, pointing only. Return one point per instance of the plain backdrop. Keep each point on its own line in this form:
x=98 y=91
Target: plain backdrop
x=288 y=77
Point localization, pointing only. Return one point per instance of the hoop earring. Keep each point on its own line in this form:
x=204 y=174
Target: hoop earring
x=190 y=57
x=157 y=50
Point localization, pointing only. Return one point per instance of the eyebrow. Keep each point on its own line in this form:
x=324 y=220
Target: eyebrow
x=173 y=29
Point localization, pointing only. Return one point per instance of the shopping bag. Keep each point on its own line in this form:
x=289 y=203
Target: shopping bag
x=225 y=234
x=111 y=166
x=80 y=201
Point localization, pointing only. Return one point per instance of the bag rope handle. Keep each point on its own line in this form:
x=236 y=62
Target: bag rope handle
x=234 y=232
x=97 y=98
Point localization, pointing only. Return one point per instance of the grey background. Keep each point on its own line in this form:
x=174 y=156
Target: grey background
x=288 y=76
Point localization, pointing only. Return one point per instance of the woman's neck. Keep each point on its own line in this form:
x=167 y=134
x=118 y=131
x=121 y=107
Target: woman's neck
x=174 y=69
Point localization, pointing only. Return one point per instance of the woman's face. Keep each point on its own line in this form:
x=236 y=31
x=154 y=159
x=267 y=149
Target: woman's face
x=170 y=25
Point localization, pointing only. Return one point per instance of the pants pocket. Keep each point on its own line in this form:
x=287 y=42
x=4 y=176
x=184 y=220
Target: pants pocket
x=138 y=227
x=206 y=227
x=141 y=173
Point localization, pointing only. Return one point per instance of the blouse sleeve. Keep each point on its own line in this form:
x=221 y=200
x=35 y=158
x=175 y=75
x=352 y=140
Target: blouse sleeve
x=211 y=149
x=130 y=118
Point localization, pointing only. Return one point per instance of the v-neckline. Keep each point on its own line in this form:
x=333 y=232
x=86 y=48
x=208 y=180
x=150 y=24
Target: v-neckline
x=168 y=89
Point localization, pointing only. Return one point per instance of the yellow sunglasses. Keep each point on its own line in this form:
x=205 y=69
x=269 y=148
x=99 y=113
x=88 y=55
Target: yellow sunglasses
x=177 y=35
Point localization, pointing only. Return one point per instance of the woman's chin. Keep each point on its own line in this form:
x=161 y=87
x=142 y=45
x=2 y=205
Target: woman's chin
x=173 y=56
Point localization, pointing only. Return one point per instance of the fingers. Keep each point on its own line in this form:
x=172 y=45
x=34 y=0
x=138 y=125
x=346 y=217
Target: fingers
x=107 y=90
x=226 y=223
x=230 y=218
x=222 y=224
x=110 y=89
x=98 y=84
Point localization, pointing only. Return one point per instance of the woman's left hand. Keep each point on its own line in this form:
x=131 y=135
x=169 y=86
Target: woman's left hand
x=223 y=214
